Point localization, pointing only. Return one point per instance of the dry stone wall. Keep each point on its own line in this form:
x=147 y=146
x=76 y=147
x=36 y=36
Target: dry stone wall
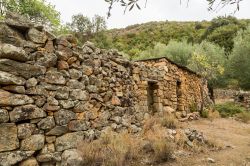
x=53 y=94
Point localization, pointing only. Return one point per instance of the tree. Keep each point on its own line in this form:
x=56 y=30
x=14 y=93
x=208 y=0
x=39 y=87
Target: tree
x=85 y=28
x=37 y=10
x=212 y=4
x=240 y=59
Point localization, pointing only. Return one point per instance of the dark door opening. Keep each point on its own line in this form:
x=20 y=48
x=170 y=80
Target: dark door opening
x=178 y=94
x=151 y=90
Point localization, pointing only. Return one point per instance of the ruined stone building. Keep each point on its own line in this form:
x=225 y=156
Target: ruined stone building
x=54 y=94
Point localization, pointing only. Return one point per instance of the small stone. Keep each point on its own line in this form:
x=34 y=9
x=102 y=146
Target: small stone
x=26 y=112
x=29 y=162
x=71 y=60
x=75 y=84
x=75 y=74
x=25 y=130
x=62 y=93
x=4 y=116
x=47 y=123
x=78 y=125
x=36 y=36
x=115 y=100
x=78 y=94
x=48 y=60
x=54 y=77
x=87 y=70
x=57 y=131
x=49 y=157
x=33 y=143
x=50 y=139
x=51 y=108
x=66 y=104
x=65 y=142
x=72 y=157
x=210 y=160
x=8 y=138
x=83 y=106
x=92 y=89
x=62 y=65
x=63 y=117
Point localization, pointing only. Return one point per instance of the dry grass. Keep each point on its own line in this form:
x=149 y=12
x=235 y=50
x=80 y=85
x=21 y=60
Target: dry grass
x=244 y=116
x=111 y=149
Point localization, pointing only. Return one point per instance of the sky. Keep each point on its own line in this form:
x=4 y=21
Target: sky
x=156 y=10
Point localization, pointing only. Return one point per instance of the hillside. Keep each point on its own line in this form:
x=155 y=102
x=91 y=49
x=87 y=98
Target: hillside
x=134 y=39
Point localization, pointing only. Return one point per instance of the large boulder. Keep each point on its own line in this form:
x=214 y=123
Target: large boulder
x=17 y=21
x=65 y=142
x=21 y=69
x=14 y=157
x=9 y=51
x=8 y=138
x=26 y=112
x=9 y=99
x=10 y=79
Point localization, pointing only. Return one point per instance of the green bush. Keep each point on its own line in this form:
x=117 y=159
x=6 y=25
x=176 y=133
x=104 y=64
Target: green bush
x=205 y=113
x=229 y=109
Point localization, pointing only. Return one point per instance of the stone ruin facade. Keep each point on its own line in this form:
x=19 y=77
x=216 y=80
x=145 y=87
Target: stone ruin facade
x=53 y=94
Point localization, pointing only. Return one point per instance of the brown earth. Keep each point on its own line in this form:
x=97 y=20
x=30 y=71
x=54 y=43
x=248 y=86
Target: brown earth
x=233 y=135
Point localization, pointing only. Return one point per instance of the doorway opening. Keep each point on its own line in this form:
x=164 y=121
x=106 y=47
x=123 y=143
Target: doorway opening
x=151 y=91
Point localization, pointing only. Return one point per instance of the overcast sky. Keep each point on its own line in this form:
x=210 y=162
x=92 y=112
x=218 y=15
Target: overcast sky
x=156 y=10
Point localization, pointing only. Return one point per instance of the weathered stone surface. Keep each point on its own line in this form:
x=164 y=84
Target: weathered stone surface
x=8 y=139
x=25 y=130
x=54 y=77
x=67 y=104
x=78 y=125
x=36 y=36
x=32 y=82
x=75 y=74
x=9 y=51
x=14 y=157
x=47 y=123
x=33 y=143
x=18 y=21
x=62 y=65
x=21 y=69
x=83 y=106
x=78 y=94
x=65 y=142
x=58 y=130
x=62 y=93
x=15 y=89
x=49 y=157
x=4 y=116
x=48 y=60
x=29 y=162
x=62 y=117
x=87 y=70
x=9 y=99
x=74 y=84
x=10 y=79
x=72 y=157
x=26 y=112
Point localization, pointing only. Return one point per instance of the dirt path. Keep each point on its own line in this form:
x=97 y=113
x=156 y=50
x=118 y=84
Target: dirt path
x=227 y=132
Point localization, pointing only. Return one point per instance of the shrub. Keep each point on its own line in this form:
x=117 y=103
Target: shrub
x=229 y=109
x=204 y=113
x=244 y=116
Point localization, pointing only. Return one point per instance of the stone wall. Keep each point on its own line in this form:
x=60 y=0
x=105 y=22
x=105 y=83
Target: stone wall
x=53 y=94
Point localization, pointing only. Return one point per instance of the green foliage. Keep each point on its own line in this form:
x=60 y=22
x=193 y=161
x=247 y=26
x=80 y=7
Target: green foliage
x=205 y=113
x=229 y=109
x=208 y=60
x=239 y=67
x=37 y=10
